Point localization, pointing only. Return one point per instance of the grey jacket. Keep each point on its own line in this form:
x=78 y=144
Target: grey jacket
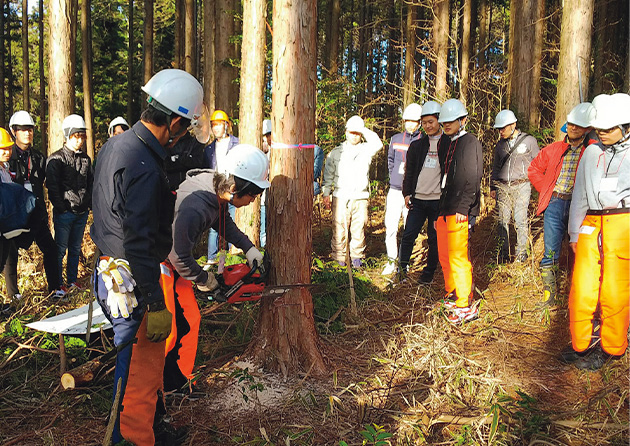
x=508 y=167
x=197 y=209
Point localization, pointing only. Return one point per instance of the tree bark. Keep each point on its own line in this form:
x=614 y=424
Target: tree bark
x=6 y=8
x=483 y=33
x=225 y=73
x=179 y=38
x=74 y=24
x=334 y=28
x=43 y=99
x=147 y=44
x=575 y=44
x=25 y=51
x=286 y=338
x=3 y=119
x=538 y=13
x=251 y=104
x=362 y=63
x=440 y=47
x=59 y=70
x=86 y=56
x=190 y=60
x=465 y=49
x=410 y=51
x=130 y=56
x=209 y=61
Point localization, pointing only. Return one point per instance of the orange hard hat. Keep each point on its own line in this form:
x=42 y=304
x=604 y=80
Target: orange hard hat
x=5 y=139
x=219 y=115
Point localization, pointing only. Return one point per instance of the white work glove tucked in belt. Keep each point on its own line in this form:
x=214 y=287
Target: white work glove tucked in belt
x=210 y=284
x=119 y=282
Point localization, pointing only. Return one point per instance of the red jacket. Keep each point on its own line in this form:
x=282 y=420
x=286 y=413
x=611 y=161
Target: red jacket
x=544 y=170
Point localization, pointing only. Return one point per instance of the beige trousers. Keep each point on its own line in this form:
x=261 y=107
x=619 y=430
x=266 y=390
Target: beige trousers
x=350 y=214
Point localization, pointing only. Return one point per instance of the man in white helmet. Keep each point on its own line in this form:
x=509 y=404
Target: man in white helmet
x=599 y=222
x=509 y=183
x=552 y=173
x=421 y=189
x=202 y=203
x=346 y=178
x=396 y=160
x=28 y=168
x=69 y=178
x=458 y=209
x=133 y=213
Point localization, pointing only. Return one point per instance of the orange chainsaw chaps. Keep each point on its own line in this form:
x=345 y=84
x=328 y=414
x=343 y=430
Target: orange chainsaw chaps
x=453 y=255
x=601 y=276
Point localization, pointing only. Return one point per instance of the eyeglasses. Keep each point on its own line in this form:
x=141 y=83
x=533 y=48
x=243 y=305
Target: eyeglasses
x=610 y=130
x=79 y=135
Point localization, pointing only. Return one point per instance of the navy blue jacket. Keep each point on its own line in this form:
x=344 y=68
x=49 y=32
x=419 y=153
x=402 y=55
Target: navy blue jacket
x=397 y=157
x=133 y=206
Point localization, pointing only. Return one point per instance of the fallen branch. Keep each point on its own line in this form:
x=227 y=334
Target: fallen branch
x=85 y=373
x=582 y=425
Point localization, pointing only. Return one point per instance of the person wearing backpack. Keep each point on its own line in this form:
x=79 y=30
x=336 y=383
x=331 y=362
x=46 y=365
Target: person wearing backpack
x=509 y=184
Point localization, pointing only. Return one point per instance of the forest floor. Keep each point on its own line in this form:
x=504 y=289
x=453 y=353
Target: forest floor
x=398 y=372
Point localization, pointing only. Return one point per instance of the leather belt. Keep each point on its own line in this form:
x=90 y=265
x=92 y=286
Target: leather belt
x=608 y=211
x=561 y=196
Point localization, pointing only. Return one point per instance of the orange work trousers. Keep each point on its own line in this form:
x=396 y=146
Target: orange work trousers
x=601 y=278
x=453 y=253
x=181 y=345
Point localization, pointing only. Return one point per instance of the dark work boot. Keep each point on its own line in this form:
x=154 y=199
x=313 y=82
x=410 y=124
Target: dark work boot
x=593 y=360
x=550 y=288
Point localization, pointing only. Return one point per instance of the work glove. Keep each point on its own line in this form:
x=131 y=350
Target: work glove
x=159 y=324
x=119 y=282
x=210 y=284
x=254 y=254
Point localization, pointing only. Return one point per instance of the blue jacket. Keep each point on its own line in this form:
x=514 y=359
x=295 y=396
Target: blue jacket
x=397 y=156
x=317 y=170
x=209 y=153
x=16 y=205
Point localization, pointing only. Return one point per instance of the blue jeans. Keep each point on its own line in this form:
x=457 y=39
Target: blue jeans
x=213 y=236
x=421 y=211
x=69 y=228
x=556 y=221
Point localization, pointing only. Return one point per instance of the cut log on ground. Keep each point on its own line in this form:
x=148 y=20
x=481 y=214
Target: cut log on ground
x=85 y=374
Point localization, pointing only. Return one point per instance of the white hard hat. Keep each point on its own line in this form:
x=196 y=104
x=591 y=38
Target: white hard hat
x=504 y=117
x=266 y=126
x=73 y=124
x=175 y=91
x=431 y=108
x=611 y=110
x=582 y=114
x=355 y=124
x=413 y=112
x=451 y=110
x=118 y=120
x=248 y=163
x=21 y=117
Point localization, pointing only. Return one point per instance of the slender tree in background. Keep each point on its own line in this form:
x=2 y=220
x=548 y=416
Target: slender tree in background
x=575 y=49
x=483 y=33
x=410 y=51
x=286 y=338
x=25 y=50
x=209 y=62
x=190 y=33
x=43 y=125
x=332 y=42
x=2 y=73
x=226 y=99
x=74 y=19
x=440 y=35
x=86 y=60
x=6 y=8
x=59 y=70
x=130 y=55
x=179 y=39
x=147 y=44
x=465 y=49
x=251 y=103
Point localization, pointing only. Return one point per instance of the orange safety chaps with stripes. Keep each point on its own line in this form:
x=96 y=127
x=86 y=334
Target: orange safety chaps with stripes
x=453 y=253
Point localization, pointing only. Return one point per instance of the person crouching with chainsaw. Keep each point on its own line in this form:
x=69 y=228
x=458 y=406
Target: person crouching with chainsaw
x=202 y=203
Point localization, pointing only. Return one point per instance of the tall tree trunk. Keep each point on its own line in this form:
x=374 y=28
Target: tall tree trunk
x=43 y=99
x=86 y=56
x=251 y=104
x=392 y=58
x=25 y=52
x=74 y=24
x=59 y=70
x=179 y=38
x=483 y=32
x=130 y=56
x=147 y=44
x=538 y=13
x=225 y=72
x=209 y=60
x=286 y=338
x=332 y=39
x=3 y=119
x=190 y=62
x=6 y=8
x=362 y=50
x=440 y=47
x=410 y=51
x=575 y=45
x=465 y=49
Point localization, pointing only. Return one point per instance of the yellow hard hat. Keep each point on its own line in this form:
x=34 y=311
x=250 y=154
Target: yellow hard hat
x=219 y=115
x=5 y=139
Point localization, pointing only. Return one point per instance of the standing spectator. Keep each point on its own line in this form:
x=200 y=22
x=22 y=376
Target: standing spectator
x=214 y=157
x=509 y=183
x=69 y=179
x=117 y=126
x=28 y=168
x=346 y=178
x=395 y=203
x=421 y=189
x=552 y=173
x=459 y=206
x=599 y=222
